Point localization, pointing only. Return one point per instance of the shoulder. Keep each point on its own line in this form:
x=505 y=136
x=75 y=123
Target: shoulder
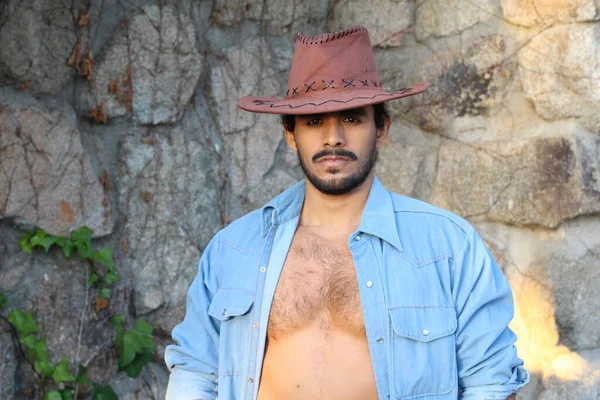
x=244 y=233
x=409 y=209
x=428 y=233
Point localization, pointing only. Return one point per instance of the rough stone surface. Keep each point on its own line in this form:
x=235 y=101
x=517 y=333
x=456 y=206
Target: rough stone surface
x=169 y=190
x=277 y=16
x=251 y=140
x=541 y=181
x=151 y=384
x=506 y=135
x=408 y=160
x=435 y=18
x=560 y=73
x=573 y=272
x=151 y=69
x=387 y=21
x=533 y=13
x=46 y=178
x=466 y=84
x=37 y=38
x=8 y=361
x=55 y=291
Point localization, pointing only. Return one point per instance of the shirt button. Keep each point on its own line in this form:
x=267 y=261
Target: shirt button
x=369 y=284
x=262 y=269
x=379 y=340
x=425 y=332
x=256 y=324
x=357 y=238
x=250 y=380
x=224 y=312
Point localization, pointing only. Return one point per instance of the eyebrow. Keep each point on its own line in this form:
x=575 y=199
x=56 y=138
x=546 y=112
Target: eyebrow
x=360 y=111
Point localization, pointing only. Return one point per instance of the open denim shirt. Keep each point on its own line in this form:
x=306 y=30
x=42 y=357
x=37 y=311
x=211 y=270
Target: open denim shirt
x=435 y=304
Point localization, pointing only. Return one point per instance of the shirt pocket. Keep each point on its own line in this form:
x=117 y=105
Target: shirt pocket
x=423 y=351
x=229 y=303
x=233 y=309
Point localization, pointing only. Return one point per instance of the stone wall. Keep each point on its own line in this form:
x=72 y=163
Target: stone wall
x=121 y=115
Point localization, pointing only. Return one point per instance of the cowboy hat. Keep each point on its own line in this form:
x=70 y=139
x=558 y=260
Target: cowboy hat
x=330 y=72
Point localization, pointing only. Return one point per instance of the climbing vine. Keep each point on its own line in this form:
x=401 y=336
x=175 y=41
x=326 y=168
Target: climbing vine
x=135 y=346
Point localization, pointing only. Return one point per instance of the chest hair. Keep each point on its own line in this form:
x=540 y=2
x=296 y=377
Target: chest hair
x=318 y=283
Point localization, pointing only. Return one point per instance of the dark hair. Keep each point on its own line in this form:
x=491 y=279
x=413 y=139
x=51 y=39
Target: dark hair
x=380 y=114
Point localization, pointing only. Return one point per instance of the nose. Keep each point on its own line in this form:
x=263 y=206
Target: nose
x=335 y=136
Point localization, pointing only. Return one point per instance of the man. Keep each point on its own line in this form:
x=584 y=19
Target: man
x=337 y=288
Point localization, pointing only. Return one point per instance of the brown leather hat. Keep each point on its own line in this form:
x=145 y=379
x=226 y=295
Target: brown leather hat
x=330 y=72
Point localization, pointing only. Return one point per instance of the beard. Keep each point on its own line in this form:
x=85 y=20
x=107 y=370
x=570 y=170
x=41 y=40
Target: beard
x=342 y=185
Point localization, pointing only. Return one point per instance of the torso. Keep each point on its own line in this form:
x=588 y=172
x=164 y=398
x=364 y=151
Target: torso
x=317 y=346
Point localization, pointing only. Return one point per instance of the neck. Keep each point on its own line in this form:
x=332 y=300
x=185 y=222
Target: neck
x=341 y=212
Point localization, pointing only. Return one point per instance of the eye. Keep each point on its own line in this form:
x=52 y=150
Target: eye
x=314 y=121
x=352 y=120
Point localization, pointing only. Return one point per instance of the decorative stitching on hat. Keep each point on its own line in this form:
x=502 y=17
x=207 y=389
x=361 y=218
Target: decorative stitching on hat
x=310 y=87
x=399 y=91
x=348 y=82
x=365 y=82
x=295 y=90
x=328 y=85
x=310 y=40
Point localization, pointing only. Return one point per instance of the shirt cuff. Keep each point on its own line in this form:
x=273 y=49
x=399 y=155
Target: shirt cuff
x=187 y=385
x=519 y=379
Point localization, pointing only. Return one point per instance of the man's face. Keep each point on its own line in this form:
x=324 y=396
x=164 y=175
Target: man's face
x=337 y=151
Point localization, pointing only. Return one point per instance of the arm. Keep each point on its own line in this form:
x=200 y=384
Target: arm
x=194 y=359
x=488 y=366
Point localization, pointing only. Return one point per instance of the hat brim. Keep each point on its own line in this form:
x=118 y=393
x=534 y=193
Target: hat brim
x=317 y=103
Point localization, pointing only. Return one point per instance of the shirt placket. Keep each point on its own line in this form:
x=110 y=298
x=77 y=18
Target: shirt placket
x=367 y=263
x=251 y=377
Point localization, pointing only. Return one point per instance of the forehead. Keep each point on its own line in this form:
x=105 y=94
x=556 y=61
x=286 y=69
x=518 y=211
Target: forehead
x=360 y=111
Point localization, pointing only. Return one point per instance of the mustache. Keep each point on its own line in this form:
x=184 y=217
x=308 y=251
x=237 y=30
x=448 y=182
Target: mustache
x=335 y=153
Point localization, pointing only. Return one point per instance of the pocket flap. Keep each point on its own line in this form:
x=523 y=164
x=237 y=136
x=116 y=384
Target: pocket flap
x=423 y=323
x=230 y=303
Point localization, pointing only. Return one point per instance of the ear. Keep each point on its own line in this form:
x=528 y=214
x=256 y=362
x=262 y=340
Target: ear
x=290 y=139
x=383 y=133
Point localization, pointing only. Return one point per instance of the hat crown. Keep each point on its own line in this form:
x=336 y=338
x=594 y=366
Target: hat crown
x=339 y=61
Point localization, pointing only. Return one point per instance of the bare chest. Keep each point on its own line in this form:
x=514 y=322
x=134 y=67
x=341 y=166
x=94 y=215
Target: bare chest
x=317 y=285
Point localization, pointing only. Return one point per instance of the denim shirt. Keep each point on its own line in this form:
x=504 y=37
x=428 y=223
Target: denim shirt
x=435 y=304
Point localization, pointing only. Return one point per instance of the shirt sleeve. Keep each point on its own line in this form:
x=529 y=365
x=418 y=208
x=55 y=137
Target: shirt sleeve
x=194 y=358
x=488 y=366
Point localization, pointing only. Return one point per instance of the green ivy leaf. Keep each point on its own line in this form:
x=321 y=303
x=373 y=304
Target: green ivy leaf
x=24 y=322
x=93 y=279
x=3 y=300
x=25 y=243
x=104 y=257
x=67 y=393
x=81 y=376
x=68 y=249
x=131 y=346
x=82 y=240
x=42 y=239
x=53 y=395
x=104 y=393
x=134 y=369
x=44 y=367
x=118 y=321
x=61 y=373
x=105 y=293
x=110 y=277
x=40 y=350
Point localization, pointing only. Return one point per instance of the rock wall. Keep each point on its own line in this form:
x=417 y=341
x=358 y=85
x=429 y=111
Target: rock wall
x=121 y=115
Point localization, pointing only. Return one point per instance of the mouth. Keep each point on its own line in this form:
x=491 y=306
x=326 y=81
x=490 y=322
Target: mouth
x=333 y=161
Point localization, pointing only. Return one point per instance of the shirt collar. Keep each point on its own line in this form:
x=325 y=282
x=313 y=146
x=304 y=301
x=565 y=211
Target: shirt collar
x=378 y=218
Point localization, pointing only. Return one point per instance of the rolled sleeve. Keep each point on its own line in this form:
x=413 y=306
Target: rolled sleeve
x=488 y=365
x=194 y=358
x=187 y=385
